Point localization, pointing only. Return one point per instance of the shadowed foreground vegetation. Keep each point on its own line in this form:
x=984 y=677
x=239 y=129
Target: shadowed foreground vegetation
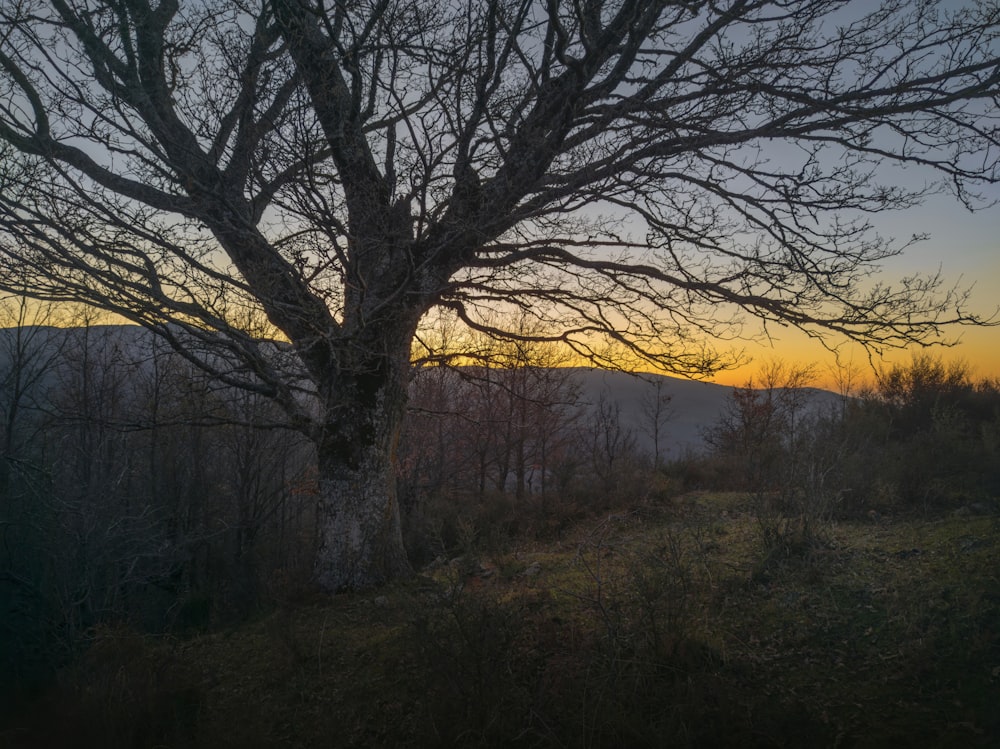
x=818 y=576
x=672 y=624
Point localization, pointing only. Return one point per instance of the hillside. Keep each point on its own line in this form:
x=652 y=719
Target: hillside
x=673 y=625
x=157 y=547
x=693 y=405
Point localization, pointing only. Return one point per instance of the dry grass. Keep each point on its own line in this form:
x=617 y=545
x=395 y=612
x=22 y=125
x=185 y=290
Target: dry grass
x=670 y=626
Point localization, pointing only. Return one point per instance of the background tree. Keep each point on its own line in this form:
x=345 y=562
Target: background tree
x=605 y=166
x=134 y=490
x=27 y=354
x=756 y=431
x=934 y=427
x=656 y=412
x=610 y=445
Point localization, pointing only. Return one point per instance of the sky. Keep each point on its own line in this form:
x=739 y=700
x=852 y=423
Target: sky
x=965 y=247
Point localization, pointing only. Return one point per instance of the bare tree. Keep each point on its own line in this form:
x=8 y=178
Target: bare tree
x=655 y=412
x=758 y=428
x=494 y=422
x=635 y=169
x=27 y=353
x=609 y=443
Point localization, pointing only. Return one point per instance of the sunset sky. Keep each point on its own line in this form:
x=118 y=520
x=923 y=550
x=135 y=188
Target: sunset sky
x=966 y=248
x=963 y=246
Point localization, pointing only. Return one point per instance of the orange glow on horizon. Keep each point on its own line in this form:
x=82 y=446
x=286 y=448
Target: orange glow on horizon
x=978 y=348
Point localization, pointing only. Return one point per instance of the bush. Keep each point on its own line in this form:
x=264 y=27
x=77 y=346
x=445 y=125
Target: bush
x=475 y=650
x=127 y=690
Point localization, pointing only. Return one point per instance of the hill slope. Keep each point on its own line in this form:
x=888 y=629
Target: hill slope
x=693 y=405
x=672 y=626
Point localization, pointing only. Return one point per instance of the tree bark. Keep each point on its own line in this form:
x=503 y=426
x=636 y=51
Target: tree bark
x=360 y=542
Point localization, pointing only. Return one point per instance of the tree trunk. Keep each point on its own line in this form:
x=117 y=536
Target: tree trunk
x=360 y=539
x=360 y=542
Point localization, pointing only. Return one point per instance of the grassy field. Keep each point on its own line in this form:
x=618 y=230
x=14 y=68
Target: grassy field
x=698 y=623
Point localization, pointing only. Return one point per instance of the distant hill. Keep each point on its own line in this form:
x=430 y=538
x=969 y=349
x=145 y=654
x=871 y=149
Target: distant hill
x=693 y=406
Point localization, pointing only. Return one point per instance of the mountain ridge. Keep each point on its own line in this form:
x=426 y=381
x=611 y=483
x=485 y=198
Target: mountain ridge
x=693 y=405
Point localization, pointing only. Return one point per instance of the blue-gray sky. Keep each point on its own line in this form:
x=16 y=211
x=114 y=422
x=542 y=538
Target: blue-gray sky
x=966 y=248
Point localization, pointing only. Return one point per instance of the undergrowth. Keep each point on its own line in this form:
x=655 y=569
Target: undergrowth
x=702 y=623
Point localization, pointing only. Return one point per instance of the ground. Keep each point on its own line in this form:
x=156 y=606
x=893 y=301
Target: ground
x=698 y=622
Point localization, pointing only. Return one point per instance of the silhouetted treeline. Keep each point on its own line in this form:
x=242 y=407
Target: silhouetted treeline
x=134 y=490
x=925 y=435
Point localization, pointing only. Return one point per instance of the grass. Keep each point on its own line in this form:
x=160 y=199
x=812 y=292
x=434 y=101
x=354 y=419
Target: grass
x=665 y=626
